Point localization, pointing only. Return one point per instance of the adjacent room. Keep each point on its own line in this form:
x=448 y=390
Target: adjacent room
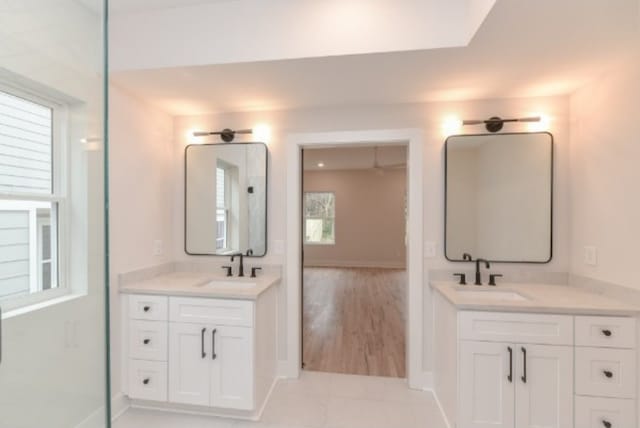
x=354 y=276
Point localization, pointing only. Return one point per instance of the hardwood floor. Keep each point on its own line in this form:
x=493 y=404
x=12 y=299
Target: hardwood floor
x=354 y=321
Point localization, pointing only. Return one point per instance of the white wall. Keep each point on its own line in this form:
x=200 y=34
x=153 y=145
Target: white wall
x=428 y=117
x=605 y=173
x=370 y=219
x=142 y=196
x=249 y=30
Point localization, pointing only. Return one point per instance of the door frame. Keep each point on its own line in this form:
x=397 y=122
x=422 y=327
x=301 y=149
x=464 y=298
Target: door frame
x=414 y=140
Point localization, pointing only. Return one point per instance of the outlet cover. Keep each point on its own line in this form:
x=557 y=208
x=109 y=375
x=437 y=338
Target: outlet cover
x=158 y=249
x=590 y=255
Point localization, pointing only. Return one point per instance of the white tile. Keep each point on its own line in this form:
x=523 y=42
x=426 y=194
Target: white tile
x=357 y=413
x=318 y=400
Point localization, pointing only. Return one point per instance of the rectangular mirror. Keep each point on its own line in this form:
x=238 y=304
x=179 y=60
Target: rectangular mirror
x=498 y=191
x=226 y=199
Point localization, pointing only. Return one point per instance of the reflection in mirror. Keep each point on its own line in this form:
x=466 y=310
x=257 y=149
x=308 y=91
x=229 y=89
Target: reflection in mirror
x=499 y=197
x=226 y=199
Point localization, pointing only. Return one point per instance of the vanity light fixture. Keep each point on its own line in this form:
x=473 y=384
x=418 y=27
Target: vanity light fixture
x=227 y=135
x=495 y=123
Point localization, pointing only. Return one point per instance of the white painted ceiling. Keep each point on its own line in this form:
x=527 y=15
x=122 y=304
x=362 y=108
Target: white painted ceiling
x=355 y=158
x=524 y=48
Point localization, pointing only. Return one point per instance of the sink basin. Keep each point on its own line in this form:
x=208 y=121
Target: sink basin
x=228 y=283
x=490 y=294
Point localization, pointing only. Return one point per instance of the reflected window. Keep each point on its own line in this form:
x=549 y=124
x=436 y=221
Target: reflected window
x=222 y=208
x=319 y=221
x=29 y=204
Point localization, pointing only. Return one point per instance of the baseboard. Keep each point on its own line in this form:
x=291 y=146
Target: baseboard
x=95 y=420
x=286 y=370
x=120 y=403
x=355 y=264
x=427 y=381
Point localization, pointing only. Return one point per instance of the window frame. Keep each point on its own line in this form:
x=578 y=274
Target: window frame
x=58 y=198
x=304 y=231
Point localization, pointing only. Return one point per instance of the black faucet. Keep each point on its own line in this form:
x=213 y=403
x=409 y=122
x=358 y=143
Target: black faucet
x=478 y=277
x=467 y=257
x=241 y=266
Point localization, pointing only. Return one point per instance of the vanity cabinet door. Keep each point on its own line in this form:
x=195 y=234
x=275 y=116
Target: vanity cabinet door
x=189 y=364
x=544 y=386
x=232 y=367
x=486 y=387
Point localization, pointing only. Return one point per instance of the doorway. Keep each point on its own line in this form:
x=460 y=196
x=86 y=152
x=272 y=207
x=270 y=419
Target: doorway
x=354 y=282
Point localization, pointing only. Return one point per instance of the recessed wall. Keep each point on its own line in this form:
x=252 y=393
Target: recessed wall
x=370 y=219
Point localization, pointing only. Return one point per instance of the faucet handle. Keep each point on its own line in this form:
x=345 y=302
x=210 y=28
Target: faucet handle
x=253 y=271
x=463 y=278
x=229 y=270
x=492 y=278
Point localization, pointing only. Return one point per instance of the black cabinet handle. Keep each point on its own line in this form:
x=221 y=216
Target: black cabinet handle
x=524 y=366
x=606 y=332
x=204 y=354
x=146 y=341
x=510 y=377
x=608 y=374
x=146 y=308
x=606 y=423
x=146 y=381
x=213 y=344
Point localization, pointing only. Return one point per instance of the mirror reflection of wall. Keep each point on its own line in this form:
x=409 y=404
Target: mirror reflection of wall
x=498 y=197
x=225 y=199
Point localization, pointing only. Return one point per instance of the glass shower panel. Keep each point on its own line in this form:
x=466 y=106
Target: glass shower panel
x=53 y=288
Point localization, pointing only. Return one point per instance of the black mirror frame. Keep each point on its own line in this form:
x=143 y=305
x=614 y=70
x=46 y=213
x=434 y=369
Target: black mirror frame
x=266 y=198
x=551 y=234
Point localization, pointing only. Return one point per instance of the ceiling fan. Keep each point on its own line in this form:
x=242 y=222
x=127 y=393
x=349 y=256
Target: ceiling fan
x=381 y=168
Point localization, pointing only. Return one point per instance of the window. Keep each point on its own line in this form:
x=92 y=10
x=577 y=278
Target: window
x=222 y=209
x=319 y=218
x=30 y=200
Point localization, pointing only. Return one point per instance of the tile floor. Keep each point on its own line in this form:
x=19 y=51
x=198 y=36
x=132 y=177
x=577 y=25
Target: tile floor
x=318 y=400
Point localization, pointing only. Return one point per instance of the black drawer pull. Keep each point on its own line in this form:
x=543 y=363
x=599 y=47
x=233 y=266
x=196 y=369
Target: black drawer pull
x=524 y=365
x=606 y=423
x=146 y=308
x=213 y=344
x=510 y=377
x=146 y=381
x=606 y=332
x=608 y=373
x=146 y=341
x=202 y=353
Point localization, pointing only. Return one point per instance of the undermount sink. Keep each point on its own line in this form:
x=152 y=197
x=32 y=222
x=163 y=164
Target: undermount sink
x=491 y=294
x=228 y=283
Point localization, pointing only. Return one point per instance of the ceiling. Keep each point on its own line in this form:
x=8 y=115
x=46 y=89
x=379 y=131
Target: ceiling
x=524 y=48
x=355 y=158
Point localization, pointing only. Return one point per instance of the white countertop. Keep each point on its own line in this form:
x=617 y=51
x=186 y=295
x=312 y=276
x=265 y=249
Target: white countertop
x=545 y=298
x=195 y=284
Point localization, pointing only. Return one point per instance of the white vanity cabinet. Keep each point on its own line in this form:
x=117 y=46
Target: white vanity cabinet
x=211 y=352
x=526 y=370
x=214 y=353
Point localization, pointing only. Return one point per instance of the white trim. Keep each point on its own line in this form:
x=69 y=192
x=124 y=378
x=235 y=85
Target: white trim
x=415 y=140
x=120 y=403
x=355 y=264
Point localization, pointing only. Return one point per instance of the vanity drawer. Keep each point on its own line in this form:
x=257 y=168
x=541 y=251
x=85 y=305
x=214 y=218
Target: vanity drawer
x=143 y=307
x=606 y=372
x=595 y=412
x=148 y=340
x=610 y=332
x=148 y=380
x=211 y=311
x=516 y=328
